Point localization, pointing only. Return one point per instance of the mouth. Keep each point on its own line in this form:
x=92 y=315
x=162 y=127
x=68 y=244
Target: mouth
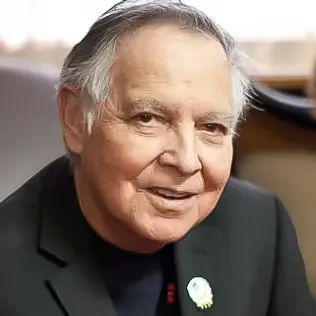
x=171 y=194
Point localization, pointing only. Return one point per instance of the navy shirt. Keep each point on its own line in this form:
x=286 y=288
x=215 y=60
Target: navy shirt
x=137 y=282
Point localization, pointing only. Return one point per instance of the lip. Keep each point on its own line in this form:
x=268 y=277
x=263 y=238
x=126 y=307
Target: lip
x=171 y=194
x=170 y=204
x=176 y=190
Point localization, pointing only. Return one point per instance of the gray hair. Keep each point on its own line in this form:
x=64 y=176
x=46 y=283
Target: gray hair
x=87 y=66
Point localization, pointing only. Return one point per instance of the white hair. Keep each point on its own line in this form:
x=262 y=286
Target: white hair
x=87 y=67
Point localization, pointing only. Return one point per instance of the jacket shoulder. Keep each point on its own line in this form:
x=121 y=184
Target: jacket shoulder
x=245 y=193
x=244 y=205
x=20 y=211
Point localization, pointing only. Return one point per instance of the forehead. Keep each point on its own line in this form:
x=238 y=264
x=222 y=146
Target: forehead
x=174 y=66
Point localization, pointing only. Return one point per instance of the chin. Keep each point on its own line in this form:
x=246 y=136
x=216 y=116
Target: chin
x=167 y=231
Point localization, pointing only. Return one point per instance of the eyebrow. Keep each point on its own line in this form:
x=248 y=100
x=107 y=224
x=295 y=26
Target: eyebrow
x=218 y=116
x=150 y=104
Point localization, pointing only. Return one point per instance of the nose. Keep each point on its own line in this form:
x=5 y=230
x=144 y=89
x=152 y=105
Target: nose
x=182 y=153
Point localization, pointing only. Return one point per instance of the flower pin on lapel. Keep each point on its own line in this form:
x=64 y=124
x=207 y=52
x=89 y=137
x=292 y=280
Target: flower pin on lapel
x=200 y=292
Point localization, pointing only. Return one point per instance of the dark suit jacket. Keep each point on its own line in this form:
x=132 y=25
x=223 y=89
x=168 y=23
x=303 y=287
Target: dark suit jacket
x=246 y=249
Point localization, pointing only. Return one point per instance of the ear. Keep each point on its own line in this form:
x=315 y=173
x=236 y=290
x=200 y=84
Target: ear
x=72 y=120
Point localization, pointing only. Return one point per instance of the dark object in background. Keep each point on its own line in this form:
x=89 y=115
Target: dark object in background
x=287 y=106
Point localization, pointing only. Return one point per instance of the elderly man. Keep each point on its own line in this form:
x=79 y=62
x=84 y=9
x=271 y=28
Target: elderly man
x=142 y=217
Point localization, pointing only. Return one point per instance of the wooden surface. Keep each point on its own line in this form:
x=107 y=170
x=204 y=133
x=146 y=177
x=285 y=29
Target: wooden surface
x=284 y=82
x=262 y=132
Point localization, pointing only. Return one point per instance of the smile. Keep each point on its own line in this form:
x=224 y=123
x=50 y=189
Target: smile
x=171 y=194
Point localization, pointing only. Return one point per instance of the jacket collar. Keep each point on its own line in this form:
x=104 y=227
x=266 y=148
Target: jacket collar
x=68 y=240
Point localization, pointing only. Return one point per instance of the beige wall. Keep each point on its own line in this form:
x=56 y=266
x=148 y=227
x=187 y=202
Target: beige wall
x=283 y=58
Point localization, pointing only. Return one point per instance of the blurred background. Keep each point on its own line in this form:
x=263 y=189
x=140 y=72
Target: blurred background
x=276 y=146
x=278 y=35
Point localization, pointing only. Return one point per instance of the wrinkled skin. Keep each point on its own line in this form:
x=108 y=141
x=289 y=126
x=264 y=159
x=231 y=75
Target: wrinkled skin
x=165 y=125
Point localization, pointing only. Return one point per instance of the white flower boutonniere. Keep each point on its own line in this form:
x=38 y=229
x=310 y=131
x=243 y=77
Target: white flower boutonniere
x=200 y=292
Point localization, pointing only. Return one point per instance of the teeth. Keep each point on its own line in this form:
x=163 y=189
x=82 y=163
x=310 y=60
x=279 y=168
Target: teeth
x=173 y=194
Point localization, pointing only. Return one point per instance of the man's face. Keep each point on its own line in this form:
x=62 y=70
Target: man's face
x=160 y=153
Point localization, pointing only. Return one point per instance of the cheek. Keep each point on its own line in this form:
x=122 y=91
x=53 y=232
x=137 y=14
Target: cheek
x=121 y=153
x=217 y=166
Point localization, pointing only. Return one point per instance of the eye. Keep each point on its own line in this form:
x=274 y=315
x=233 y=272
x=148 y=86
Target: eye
x=215 y=128
x=148 y=120
x=145 y=117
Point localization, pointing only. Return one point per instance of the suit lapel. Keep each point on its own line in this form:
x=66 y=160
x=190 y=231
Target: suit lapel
x=81 y=291
x=66 y=239
x=203 y=253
